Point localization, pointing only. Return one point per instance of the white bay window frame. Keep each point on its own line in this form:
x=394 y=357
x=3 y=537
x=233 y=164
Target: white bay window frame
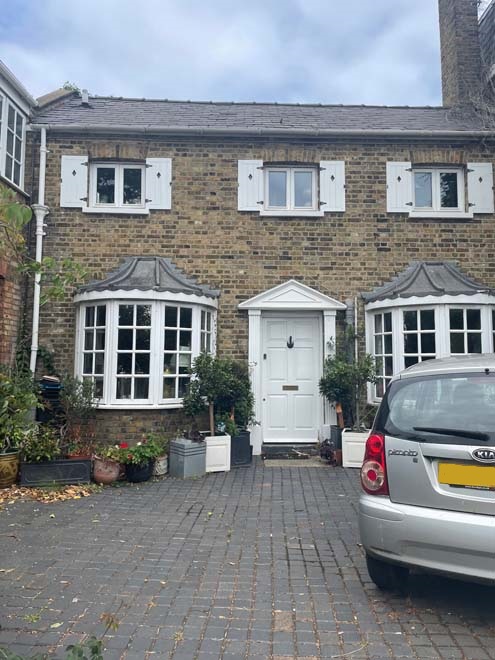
x=155 y=399
x=441 y=306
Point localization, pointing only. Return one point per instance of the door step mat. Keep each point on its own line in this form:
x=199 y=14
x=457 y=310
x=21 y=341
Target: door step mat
x=313 y=462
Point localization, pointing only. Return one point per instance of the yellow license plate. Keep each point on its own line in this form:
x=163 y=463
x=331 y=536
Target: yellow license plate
x=468 y=476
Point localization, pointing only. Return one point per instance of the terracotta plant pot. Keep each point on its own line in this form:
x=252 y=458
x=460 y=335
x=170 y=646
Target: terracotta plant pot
x=105 y=471
x=9 y=468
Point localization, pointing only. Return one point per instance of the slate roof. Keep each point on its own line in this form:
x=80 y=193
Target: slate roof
x=145 y=115
x=428 y=278
x=149 y=274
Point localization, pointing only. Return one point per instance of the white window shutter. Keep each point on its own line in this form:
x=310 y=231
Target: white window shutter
x=74 y=181
x=250 y=183
x=332 y=185
x=480 y=187
x=399 y=188
x=159 y=183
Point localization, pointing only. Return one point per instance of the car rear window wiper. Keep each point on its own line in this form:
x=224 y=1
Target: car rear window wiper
x=460 y=433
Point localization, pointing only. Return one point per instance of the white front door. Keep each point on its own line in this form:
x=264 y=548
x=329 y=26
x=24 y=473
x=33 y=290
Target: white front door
x=291 y=368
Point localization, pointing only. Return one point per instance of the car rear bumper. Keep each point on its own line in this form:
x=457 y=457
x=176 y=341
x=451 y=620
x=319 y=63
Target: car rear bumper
x=461 y=544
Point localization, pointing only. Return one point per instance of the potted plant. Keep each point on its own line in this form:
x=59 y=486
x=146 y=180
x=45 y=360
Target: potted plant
x=78 y=403
x=42 y=464
x=211 y=383
x=17 y=399
x=238 y=414
x=161 y=461
x=139 y=459
x=342 y=383
x=106 y=464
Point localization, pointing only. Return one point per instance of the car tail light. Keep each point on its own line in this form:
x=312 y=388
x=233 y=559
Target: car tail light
x=374 y=469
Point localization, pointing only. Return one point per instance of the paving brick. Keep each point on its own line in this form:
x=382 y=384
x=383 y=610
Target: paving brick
x=326 y=606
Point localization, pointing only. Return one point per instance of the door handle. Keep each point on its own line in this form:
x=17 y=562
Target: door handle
x=290 y=343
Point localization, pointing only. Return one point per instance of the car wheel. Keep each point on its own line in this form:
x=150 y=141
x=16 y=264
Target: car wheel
x=388 y=577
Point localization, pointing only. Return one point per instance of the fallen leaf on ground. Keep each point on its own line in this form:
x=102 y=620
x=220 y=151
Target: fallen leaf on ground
x=47 y=495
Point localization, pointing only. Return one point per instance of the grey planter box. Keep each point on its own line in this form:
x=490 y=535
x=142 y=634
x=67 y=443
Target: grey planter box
x=186 y=458
x=60 y=471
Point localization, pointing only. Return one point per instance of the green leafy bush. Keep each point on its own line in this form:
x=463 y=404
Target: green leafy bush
x=222 y=386
x=140 y=453
x=343 y=382
x=18 y=397
x=42 y=443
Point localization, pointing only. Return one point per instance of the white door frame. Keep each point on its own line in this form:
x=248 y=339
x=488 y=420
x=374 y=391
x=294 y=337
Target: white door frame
x=291 y=296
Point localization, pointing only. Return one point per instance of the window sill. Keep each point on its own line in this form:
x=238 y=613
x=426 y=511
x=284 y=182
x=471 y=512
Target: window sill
x=129 y=405
x=459 y=215
x=115 y=211
x=14 y=186
x=293 y=214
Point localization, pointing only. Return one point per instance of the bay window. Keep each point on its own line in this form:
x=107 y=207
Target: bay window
x=402 y=332
x=138 y=353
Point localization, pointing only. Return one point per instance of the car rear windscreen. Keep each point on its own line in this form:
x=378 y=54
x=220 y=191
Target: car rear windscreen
x=448 y=409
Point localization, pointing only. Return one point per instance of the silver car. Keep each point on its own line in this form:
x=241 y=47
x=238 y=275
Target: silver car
x=428 y=474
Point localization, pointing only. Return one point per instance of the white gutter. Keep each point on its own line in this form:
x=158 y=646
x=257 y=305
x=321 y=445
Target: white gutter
x=272 y=132
x=40 y=211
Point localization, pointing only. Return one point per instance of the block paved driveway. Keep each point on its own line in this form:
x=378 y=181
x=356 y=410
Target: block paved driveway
x=258 y=563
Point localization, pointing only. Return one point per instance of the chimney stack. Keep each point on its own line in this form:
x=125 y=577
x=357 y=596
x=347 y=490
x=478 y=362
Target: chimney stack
x=460 y=51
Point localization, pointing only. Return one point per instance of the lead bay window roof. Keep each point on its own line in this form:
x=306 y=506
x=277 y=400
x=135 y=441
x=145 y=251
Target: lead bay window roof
x=138 y=331
x=430 y=310
x=148 y=274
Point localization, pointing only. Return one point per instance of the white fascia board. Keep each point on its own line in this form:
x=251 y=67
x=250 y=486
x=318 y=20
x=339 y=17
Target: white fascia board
x=292 y=295
x=423 y=301
x=6 y=89
x=137 y=294
x=7 y=77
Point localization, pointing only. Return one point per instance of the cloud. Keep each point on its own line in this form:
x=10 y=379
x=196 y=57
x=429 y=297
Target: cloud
x=384 y=52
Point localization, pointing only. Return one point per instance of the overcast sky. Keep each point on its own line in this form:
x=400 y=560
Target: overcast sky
x=322 y=51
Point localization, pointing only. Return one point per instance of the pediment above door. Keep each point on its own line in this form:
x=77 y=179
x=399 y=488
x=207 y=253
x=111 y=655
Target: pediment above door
x=292 y=295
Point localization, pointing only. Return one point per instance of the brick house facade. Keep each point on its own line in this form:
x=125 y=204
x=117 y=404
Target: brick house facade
x=15 y=108
x=291 y=213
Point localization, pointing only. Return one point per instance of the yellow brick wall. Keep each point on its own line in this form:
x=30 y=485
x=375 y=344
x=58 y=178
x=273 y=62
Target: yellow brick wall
x=242 y=254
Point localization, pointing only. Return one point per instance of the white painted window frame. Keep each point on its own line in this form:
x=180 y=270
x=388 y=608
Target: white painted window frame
x=195 y=341
x=383 y=376
x=6 y=103
x=119 y=205
x=290 y=209
x=442 y=306
x=206 y=331
x=95 y=327
x=418 y=332
x=155 y=399
x=114 y=333
x=465 y=330
x=436 y=210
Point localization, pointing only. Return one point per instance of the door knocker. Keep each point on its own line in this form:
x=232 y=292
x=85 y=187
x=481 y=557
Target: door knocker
x=290 y=343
